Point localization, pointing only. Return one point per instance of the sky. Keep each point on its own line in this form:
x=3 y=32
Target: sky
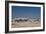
x=23 y=11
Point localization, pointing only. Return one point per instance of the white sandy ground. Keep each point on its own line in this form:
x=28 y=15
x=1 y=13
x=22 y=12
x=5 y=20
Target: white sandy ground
x=26 y=24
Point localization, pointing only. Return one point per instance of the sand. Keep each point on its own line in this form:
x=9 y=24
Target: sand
x=26 y=24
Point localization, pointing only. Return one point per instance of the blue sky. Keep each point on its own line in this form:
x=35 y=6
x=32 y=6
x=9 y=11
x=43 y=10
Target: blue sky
x=22 y=11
